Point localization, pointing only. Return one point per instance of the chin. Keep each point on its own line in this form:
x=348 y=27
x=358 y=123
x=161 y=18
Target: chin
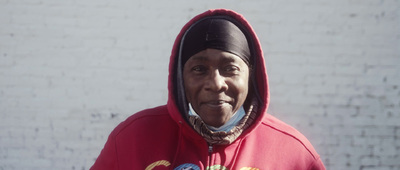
x=217 y=121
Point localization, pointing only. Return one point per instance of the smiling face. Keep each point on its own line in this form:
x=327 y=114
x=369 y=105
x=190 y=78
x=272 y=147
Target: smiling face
x=216 y=84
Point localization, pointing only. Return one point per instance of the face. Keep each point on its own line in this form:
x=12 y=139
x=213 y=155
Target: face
x=216 y=84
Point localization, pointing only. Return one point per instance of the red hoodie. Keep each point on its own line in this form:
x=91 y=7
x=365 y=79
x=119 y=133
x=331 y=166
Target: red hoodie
x=161 y=138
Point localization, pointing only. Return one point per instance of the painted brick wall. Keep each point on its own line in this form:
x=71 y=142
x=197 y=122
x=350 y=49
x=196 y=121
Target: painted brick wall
x=70 y=71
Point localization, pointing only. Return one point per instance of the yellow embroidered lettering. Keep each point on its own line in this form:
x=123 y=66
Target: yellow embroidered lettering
x=217 y=167
x=158 y=163
x=249 y=168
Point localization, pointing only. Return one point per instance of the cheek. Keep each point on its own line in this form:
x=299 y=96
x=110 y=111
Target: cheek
x=190 y=88
x=242 y=87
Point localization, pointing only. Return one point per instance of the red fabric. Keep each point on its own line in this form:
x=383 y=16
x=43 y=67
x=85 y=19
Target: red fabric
x=159 y=138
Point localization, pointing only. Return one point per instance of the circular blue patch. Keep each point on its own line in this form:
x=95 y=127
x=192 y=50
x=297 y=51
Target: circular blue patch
x=187 y=166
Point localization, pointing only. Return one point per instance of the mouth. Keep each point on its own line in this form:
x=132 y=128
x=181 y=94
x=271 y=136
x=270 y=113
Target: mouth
x=216 y=103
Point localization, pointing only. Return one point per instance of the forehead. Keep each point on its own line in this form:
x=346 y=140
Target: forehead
x=214 y=55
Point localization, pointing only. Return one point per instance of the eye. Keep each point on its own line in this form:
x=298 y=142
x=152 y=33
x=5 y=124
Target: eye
x=231 y=69
x=199 y=69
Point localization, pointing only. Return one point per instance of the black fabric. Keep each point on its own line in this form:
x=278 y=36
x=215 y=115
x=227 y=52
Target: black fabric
x=218 y=33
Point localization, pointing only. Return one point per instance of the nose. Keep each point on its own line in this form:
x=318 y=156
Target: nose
x=216 y=82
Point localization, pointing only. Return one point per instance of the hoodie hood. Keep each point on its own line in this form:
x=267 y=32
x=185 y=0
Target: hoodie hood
x=177 y=105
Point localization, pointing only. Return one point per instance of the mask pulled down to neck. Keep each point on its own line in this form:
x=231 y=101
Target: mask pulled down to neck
x=232 y=122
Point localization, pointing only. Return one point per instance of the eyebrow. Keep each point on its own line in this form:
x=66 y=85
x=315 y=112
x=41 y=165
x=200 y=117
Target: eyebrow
x=226 y=58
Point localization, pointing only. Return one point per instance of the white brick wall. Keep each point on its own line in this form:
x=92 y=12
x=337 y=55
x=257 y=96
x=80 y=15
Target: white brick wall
x=70 y=71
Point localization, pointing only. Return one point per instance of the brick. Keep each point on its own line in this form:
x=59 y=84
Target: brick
x=334 y=100
x=346 y=81
x=391 y=161
x=347 y=131
x=378 y=131
x=370 y=160
x=385 y=150
x=375 y=167
x=321 y=90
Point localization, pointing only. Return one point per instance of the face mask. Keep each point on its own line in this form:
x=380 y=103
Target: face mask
x=233 y=121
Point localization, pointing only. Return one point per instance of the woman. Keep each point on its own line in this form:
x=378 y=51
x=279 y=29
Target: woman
x=215 y=117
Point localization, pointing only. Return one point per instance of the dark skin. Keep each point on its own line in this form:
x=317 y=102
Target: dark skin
x=216 y=85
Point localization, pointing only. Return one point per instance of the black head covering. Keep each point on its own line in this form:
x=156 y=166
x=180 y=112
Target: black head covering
x=218 y=32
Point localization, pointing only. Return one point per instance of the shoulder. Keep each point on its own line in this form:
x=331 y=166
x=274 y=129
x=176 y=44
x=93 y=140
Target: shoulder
x=286 y=134
x=145 y=119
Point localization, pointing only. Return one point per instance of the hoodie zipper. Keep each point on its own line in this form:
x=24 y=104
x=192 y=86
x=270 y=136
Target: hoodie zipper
x=210 y=149
x=210 y=152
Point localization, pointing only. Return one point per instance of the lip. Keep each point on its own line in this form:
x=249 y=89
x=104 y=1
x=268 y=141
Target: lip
x=216 y=103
